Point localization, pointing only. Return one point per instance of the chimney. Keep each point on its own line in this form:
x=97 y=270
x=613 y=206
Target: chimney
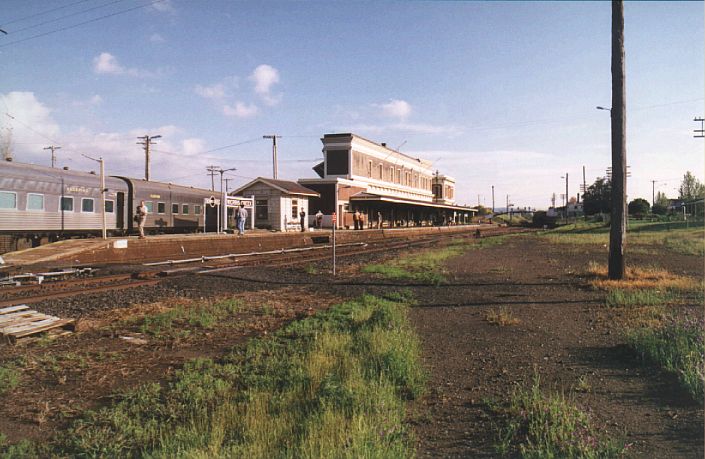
x=66 y=168
x=384 y=144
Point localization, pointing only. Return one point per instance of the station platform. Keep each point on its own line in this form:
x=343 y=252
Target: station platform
x=132 y=250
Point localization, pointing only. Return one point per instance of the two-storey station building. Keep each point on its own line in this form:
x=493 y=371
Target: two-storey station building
x=389 y=188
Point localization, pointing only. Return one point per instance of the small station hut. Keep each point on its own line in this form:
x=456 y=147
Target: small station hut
x=278 y=203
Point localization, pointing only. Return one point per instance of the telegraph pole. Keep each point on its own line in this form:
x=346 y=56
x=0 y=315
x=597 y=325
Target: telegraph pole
x=493 y=199
x=227 y=182
x=147 y=140
x=274 y=138
x=212 y=171
x=53 y=156
x=616 y=266
x=699 y=133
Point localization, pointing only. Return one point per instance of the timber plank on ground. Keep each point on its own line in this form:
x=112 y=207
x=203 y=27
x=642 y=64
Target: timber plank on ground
x=20 y=321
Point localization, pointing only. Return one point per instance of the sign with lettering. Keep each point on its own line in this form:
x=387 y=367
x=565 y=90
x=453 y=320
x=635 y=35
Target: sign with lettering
x=77 y=189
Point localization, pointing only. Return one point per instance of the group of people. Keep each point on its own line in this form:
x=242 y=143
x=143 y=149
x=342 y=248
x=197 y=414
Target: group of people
x=240 y=218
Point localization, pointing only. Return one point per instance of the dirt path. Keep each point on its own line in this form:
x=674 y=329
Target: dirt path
x=564 y=334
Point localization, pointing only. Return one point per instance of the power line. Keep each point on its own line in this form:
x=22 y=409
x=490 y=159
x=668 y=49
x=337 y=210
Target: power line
x=64 y=17
x=81 y=23
x=41 y=13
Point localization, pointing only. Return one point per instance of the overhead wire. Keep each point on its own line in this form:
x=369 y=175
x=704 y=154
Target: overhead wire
x=41 y=13
x=64 y=17
x=100 y=18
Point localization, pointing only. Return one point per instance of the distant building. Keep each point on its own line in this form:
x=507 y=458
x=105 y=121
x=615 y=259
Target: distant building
x=383 y=184
x=278 y=203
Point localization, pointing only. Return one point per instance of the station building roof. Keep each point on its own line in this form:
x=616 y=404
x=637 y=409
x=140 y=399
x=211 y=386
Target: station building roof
x=371 y=197
x=285 y=186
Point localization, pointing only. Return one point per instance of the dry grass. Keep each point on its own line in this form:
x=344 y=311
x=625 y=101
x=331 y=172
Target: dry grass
x=640 y=278
x=501 y=317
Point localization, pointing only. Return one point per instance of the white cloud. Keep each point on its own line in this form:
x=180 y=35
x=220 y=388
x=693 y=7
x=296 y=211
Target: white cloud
x=411 y=128
x=241 y=110
x=32 y=121
x=216 y=91
x=164 y=6
x=90 y=102
x=264 y=77
x=156 y=38
x=193 y=146
x=107 y=64
x=396 y=108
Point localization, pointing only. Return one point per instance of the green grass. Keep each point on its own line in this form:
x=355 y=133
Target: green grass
x=332 y=385
x=551 y=426
x=643 y=297
x=676 y=347
x=9 y=379
x=172 y=323
x=427 y=266
x=672 y=236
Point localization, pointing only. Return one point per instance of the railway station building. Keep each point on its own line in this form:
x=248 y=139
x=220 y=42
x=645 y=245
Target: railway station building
x=278 y=203
x=387 y=187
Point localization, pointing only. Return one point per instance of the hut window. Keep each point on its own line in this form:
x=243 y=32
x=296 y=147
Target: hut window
x=262 y=209
x=294 y=208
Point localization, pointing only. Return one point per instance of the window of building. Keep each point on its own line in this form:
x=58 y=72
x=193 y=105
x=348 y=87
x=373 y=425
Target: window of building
x=262 y=209
x=66 y=204
x=161 y=208
x=175 y=209
x=337 y=162
x=150 y=206
x=8 y=200
x=109 y=206
x=87 y=205
x=381 y=171
x=197 y=209
x=184 y=209
x=294 y=208
x=391 y=174
x=398 y=180
x=369 y=168
x=35 y=201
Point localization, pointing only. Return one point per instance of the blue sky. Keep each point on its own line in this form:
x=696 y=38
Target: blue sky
x=495 y=93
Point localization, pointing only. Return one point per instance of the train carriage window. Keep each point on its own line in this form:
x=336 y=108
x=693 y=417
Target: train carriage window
x=35 y=201
x=87 y=205
x=109 y=206
x=150 y=206
x=184 y=209
x=8 y=200
x=161 y=207
x=197 y=210
x=174 y=209
x=66 y=204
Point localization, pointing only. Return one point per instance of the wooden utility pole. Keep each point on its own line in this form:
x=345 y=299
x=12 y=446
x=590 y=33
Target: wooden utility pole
x=212 y=170
x=146 y=141
x=53 y=148
x=492 y=199
x=618 y=222
x=274 y=138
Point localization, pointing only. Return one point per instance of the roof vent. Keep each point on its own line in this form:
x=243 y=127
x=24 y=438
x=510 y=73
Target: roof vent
x=66 y=168
x=384 y=144
x=92 y=172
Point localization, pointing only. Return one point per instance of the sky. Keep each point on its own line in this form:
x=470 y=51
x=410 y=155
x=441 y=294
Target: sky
x=496 y=94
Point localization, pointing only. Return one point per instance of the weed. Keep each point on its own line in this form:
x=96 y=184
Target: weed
x=551 y=425
x=332 y=385
x=583 y=385
x=9 y=379
x=311 y=269
x=502 y=317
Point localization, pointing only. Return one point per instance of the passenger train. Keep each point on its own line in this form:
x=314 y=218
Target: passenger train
x=41 y=204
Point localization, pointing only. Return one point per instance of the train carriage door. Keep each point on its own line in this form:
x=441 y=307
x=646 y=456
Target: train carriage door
x=120 y=216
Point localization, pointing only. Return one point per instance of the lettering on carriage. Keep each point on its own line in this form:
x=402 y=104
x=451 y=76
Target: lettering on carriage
x=77 y=189
x=155 y=196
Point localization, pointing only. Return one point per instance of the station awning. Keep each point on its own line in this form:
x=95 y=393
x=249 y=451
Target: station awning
x=370 y=197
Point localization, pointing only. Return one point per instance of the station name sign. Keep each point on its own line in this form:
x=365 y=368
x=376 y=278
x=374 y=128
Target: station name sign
x=231 y=201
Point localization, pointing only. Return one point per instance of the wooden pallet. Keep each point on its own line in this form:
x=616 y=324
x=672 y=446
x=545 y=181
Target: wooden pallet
x=20 y=321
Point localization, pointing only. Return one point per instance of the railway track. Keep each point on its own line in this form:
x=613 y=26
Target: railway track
x=28 y=294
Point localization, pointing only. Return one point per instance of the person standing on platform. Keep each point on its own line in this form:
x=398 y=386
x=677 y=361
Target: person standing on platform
x=302 y=218
x=141 y=218
x=379 y=220
x=319 y=219
x=242 y=217
x=356 y=220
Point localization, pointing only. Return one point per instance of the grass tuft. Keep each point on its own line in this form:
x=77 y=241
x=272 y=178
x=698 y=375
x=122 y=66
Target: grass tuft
x=9 y=379
x=502 y=317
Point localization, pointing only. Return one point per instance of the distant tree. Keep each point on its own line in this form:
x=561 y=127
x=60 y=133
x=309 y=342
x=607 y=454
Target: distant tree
x=660 y=204
x=572 y=200
x=598 y=197
x=482 y=210
x=690 y=188
x=6 y=143
x=639 y=207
